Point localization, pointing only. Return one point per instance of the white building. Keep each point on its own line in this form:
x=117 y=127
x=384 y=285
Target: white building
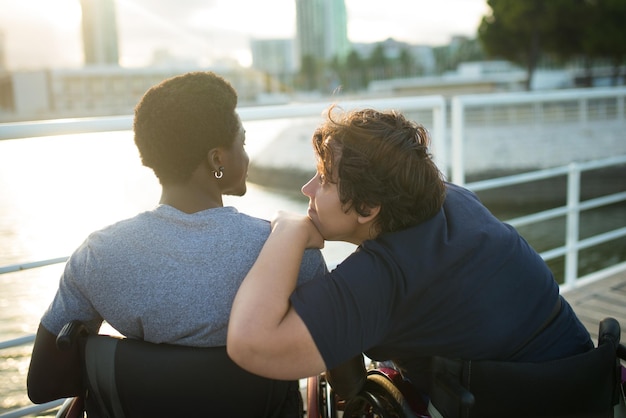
x=98 y=90
x=99 y=32
x=322 y=29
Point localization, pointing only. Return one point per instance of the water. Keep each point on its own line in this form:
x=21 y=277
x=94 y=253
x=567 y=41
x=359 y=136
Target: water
x=56 y=190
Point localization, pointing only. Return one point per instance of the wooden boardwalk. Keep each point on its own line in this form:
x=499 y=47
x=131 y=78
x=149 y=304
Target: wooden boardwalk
x=595 y=301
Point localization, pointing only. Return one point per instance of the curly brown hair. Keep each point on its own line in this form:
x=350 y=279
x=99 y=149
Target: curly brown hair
x=380 y=159
x=180 y=119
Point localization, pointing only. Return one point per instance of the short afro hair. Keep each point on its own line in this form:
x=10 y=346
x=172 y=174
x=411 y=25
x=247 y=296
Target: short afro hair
x=180 y=119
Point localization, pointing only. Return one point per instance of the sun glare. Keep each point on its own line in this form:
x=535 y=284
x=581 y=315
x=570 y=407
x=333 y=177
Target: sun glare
x=64 y=14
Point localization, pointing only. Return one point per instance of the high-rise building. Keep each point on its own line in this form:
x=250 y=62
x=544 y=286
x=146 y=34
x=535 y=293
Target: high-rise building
x=3 y=64
x=99 y=32
x=322 y=29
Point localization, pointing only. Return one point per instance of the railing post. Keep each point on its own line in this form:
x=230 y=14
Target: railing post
x=572 y=224
x=440 y=138
x=458 y=119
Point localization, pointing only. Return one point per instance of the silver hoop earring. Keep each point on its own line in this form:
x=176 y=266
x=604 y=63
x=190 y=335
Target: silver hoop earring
x=219 y=174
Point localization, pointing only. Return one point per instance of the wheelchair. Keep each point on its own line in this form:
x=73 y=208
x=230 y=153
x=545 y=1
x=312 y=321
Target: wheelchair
x=591 y=384
x=131 y=378
x=126 y=378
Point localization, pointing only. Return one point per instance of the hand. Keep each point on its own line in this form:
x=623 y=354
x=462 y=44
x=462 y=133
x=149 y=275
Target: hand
x=284 y=222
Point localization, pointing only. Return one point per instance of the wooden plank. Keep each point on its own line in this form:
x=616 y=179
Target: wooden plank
x=595 y=301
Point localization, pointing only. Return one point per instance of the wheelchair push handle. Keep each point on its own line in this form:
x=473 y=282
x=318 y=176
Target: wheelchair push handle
x=69 y=334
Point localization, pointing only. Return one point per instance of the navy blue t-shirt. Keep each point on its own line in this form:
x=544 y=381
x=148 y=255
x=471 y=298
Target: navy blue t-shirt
x=462 y=285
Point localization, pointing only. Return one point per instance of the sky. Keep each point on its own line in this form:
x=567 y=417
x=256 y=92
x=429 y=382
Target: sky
x=47 y=33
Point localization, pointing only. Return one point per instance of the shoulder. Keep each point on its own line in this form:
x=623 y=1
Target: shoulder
x=313 y=265
x=114 y=238
x=456 y=193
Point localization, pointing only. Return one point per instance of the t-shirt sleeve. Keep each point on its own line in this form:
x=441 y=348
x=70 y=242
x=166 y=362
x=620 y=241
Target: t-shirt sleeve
x=70 y=302
x=348 y=310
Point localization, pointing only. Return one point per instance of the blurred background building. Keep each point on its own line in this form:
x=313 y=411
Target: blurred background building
x=99 y=29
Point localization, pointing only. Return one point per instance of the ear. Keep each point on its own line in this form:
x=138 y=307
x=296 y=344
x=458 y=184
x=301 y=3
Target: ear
x=215 y=158
x=373 y=212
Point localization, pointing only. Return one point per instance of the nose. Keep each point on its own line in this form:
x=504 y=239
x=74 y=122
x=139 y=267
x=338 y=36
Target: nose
x=308 y=188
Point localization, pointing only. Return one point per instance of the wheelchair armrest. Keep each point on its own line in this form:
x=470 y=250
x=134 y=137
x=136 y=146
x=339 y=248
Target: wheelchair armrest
x=69 y=334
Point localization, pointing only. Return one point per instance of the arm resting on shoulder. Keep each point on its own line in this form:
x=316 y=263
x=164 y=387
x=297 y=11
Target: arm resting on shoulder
x=53 y=374
x=265 y=334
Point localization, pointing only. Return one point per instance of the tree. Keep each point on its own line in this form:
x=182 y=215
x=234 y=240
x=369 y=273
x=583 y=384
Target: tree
x=309 y=72
x=356 y=72
x=521 y=31
x=407 y=62
x=513 y=31
x=605 y=32
x=378 y=62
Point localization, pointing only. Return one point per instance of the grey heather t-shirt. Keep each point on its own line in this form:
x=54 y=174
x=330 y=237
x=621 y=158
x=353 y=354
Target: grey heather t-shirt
x=165 y=276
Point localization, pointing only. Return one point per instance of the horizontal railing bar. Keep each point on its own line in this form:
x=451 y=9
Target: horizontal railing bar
x=595 y=164
x=16 y=342
x=31 y=265
x=597 y=275
x=20 y=130
x=517 y=179
x=553 y=253
x=602 y=201
x=543 y=174
x=601 y=238
x=585 y=243
x=316 y=109
x=538 y=217
x=33 y=409
x=562 y=210
x=533 y=97
x=54 y=127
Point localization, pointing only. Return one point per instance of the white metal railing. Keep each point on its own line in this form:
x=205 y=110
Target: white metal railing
x=529 y=111
x=571 y=211
x=448 y=162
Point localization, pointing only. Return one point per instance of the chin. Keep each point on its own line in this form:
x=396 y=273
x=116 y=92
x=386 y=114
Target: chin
x=237 y=192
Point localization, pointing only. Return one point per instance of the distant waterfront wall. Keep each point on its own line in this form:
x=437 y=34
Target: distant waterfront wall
x=495 y=149
x=287 y=162
x=528 y=147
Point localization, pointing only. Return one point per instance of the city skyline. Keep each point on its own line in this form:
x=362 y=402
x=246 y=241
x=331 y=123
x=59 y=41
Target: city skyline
x=43 y=33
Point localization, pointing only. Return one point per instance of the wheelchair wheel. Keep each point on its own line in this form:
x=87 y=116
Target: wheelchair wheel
x=378 y=399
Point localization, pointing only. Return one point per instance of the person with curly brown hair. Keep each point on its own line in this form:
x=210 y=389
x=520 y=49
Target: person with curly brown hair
x=434 y=272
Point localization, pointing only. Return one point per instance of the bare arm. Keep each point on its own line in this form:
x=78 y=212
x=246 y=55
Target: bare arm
x=265 y=334
x=53 y=374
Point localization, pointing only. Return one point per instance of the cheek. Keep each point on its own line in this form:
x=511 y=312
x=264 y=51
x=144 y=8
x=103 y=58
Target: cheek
x=330 y=211
x=244 y=162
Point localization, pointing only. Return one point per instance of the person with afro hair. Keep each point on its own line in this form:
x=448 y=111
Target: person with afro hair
x=170 y=274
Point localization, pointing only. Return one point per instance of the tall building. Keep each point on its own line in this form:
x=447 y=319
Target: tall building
x=99 y=32
x=3 y=64
x=322 y=29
